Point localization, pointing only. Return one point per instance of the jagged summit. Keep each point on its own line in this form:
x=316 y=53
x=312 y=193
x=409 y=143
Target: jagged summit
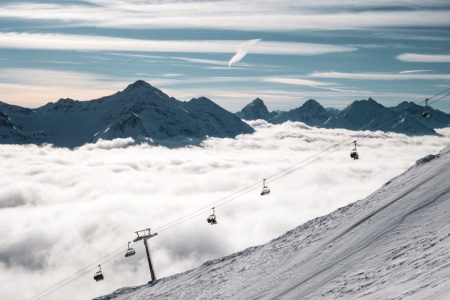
x=312 y=104
x=438 y=118
x=254 y=110
x=258 y=101
x=140 y=111
x=138 y=84
x=310 y=113
x=371 y=115
x=359 y=115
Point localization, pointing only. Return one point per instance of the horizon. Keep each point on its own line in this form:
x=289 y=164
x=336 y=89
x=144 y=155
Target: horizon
x=256 y=98
x=228 y=51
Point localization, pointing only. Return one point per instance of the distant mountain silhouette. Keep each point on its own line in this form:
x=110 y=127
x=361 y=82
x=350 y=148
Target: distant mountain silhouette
x=367 y=114
x=370 y=115
x=255 y=110
x=310 y=113
x=438 y=118
x=141 y=111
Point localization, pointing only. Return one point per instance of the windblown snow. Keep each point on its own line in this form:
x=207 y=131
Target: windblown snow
x=392 y=245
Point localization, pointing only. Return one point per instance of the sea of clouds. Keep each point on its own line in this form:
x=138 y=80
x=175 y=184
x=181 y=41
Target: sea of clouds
x=62 y=209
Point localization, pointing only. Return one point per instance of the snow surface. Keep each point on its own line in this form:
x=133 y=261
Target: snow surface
x=392 y=245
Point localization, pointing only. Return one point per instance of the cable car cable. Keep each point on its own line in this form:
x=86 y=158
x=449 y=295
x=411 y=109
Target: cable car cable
x=288 y=170
x=79 y=271
x=236 y=195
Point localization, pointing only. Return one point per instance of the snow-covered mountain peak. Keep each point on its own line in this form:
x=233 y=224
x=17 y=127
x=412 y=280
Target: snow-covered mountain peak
x=312 y=103
x=140 y=111
x=257 y=101
x=255 y=110
x=138 y=85
x=201 y=100
x=438 y=118
x=310 y=113
x=365 y=104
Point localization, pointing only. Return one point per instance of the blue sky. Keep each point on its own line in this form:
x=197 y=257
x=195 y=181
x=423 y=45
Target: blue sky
x=331 y=51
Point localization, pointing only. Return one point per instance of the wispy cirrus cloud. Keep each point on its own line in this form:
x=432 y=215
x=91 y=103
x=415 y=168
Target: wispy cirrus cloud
x=424 y=58
x=297 y=81
x=331 y=86
x=86 y=42
x=176 y=58
x=379 y=76
x=229 y=14
x=414 y=37
x=414 y=71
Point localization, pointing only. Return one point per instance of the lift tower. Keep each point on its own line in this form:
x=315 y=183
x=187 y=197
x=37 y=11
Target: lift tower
x=145 y=235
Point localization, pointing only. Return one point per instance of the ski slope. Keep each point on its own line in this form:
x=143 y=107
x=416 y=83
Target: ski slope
x=392 y=245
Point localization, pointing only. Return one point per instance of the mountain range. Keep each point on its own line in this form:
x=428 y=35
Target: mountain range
x=141 y=111
x=367 y=114
x=145 y=113
x=392 y=245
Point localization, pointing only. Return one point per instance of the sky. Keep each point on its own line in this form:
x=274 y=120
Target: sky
x=62 y=209
x=231 y=51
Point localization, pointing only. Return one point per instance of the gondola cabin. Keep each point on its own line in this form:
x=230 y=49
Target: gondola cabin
x=130 y=252
x=426 y=113
x=212 y=218
x=265 y=190
x=98 y=275
x=354 y=154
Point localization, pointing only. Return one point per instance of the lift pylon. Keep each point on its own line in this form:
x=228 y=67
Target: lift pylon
x=145 y=235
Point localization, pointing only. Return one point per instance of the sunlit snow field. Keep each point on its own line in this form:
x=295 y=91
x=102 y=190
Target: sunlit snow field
x=62 y=209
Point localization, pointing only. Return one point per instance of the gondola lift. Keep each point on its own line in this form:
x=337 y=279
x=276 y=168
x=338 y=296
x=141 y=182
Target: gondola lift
x=426 y=113
x=212 y=218
x=354 y=154
x=130 y=251
x=99 y=275
x=265 y=189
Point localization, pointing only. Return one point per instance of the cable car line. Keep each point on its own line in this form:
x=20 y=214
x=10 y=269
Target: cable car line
x=233 y=196
x=54 y=288
x=244 y=191
x=81 y=270
x=288 y=170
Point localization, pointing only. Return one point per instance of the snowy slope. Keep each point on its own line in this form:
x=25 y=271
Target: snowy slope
x=139 y=111
x=12 y=133
x=392 y=245
x=8 y=130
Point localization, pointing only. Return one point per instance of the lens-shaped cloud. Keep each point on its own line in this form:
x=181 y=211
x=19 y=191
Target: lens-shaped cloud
x=242 y=51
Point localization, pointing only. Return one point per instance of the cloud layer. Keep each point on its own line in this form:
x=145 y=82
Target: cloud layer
x=61 y=210
x=424 y=58
x=230 y=14
x=46 y=41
